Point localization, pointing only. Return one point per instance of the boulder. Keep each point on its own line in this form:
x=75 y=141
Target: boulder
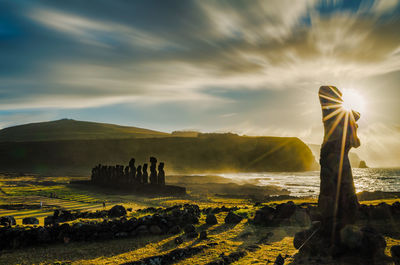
x=176 y=229
x=155 y=230
x=395 y=252
x=117 y=211
x=300 y=217
x=264 y=216
x=192 y=235
x=30 y=221
x=351 y=237
x=7 y=220
x=381 y=211
x=279 y=260
x=373 y=243
x=232 y=218
x=285 y=210
x=178 y=240
x=189 y=229
x=301 y=237
x=211 y=219
x=203 y=235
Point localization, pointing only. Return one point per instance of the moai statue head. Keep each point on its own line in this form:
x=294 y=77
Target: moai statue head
x=132 y=162
x=161 y=166
x=153 y=160
x=139 y=171
x=145 y=174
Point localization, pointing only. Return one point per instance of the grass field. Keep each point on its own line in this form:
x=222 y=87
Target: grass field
x=55 y=193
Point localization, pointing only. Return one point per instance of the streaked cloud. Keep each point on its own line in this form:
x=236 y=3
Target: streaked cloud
x=256 y=65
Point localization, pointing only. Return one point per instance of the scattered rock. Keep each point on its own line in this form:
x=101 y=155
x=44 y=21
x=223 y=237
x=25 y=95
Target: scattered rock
x=189 y=229
x=192 y=235
x=7 y=220
x=178 y=240
x=351 y=237
x=232 y=218
x=395 y=252
x=155 y=230
x=30 y=221
x=211 y=219
x=203 y=235
x=279 y=260
x=117 y=211
x=176 y=229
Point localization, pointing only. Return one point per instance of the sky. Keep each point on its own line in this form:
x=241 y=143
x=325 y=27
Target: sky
x=248 y=67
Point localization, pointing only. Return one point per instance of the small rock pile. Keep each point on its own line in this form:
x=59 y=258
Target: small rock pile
x=283 y=214
x=61 y=216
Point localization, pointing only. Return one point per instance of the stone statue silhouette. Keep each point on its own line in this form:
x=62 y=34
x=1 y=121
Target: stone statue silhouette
x=337 y=200
x=145 y=175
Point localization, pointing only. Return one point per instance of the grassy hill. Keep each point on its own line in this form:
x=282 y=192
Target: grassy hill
x=74 y=147
x=67 y=129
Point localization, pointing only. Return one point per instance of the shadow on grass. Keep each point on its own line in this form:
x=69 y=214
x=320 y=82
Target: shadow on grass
x=76 y=251
x=301 y=259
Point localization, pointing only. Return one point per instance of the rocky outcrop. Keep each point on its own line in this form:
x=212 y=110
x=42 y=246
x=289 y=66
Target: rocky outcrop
x=232 y=218
x=283 y=214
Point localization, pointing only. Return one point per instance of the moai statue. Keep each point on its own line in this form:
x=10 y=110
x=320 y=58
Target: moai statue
x=337 y=200
x=133 y=170
x=121 y=178
x=93 y=176
x=145 y=176
x=161 y=174
x=138 y=173
x=153 y=171
x=126 y=174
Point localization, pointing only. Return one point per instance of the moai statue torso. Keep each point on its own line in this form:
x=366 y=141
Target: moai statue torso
x=161 y=174
x=153 y=170
x=145 y=176
x=132 y=167
x=337 y=200
x=138 y=173
x=126 y=174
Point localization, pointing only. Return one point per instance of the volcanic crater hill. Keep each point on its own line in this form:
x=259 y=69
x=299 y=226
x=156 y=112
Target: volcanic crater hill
x=68 y=129
x=76 y=149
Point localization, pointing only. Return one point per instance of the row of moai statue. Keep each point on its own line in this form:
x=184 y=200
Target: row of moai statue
x=130 y=174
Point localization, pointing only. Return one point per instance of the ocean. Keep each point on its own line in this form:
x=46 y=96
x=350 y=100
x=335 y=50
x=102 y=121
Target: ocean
x=307 y=183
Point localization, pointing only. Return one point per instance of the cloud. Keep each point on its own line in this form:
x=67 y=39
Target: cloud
x=262 y=60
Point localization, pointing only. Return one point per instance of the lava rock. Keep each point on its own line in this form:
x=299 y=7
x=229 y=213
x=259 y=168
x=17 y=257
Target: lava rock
x=203 y=235
x=192 y=235
x=7 y=220
x=285 y=210
x=117 y=211
x=232 y=218
x=300 y=217
x=395 y=251
x=211 y=219
x=264 y=216
x=373 y=243
x=189 y=229
x=30 y=221
x=176 y=229
x=155 y=230
x=178 y=240
x=279 y=260
x=351 y=237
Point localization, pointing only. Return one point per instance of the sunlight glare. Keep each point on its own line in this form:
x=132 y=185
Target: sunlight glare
x=353 y=100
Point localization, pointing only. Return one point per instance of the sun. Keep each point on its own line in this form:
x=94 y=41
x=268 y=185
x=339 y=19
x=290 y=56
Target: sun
x=353 y=100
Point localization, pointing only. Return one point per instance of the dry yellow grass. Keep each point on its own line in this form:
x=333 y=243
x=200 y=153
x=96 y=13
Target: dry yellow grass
x=270 y=241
